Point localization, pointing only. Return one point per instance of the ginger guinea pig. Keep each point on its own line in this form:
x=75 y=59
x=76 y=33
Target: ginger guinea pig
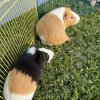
x=21 y=82
x=51 y=27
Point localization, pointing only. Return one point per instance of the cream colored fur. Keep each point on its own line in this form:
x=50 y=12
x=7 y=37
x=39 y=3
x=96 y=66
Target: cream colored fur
x=8 y=95
x=51 y=27
x=59 y=15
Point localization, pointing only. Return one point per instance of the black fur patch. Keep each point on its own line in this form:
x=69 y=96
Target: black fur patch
x=32 y=65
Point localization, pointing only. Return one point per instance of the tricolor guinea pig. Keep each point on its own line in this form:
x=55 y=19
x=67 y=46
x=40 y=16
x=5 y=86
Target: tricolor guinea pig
x=21 y=82
x=51 y=27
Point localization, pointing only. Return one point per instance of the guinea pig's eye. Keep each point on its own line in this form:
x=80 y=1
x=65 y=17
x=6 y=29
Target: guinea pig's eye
x=65 y=16
x=71 y=17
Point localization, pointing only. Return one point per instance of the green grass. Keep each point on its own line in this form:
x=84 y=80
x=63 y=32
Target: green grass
x=79 y=6
x=74 y=73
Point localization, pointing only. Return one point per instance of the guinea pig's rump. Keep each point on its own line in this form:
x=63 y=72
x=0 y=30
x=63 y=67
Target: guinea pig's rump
x=21 y=83
x=52 y=29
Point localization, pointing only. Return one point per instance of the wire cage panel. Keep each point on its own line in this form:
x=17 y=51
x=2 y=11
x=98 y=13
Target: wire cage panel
x=17 y=21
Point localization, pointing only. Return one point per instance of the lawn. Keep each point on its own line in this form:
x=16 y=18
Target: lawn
x=74 y=73
x=79 y=6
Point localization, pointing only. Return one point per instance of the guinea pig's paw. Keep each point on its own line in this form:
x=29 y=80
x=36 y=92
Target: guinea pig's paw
x=50 y=44
x=68 y=39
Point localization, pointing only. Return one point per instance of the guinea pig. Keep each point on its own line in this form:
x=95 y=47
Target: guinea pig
x=51 y=27
x=22 y=81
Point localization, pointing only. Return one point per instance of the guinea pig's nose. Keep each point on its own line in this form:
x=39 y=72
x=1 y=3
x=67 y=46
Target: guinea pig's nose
x=76 y=16
x=77 y=19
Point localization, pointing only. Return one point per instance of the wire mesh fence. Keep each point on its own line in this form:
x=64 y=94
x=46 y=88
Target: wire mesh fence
x=17 y=21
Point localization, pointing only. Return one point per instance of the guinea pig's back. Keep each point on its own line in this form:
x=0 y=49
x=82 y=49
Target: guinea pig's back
x=52 y=29
x=19 y=86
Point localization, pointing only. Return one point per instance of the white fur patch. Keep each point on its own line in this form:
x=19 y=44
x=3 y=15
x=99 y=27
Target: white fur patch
x=5 y=89
x=49 y=52
x=32 y=50
x=76 y=16
x=59 y=12
x=13 y=96
x=42 y=39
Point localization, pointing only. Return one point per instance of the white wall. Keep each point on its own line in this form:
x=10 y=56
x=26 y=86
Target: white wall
x=39 y=2
x=20 y=6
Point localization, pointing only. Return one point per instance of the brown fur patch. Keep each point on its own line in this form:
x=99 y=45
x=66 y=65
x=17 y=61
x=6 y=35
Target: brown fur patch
x=20 y=83
x=52 y=29
x=70 y=19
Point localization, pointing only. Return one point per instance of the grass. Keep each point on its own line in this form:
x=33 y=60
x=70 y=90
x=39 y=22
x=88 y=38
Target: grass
x=79 y=6
x=74 y=73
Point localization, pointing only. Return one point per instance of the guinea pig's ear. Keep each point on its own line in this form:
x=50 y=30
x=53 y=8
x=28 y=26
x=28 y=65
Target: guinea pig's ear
x=65 y=15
